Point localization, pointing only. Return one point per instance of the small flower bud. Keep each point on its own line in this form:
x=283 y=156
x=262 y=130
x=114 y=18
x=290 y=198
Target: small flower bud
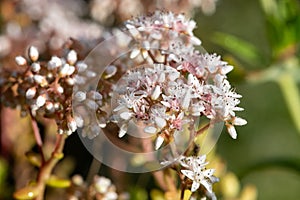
x=40 y=101
x=35 y=67
x=63 y=71
x=72 y=57
x=81 y=66
x=60 y=89
x=126 y=115
x=72 y=125
x=80 y=96
x=77 y=180
x=70 y=81
x=56 y=106
x=20 y=60
x=30 y=93
x=54 y=63
x=49 y=107
x=41 y=80
x=33 y=53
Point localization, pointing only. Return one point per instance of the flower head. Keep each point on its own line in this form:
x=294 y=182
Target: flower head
x=196 y=171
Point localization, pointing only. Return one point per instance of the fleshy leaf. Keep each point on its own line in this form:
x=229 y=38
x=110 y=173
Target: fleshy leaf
x=56 y=182
x=28 y=192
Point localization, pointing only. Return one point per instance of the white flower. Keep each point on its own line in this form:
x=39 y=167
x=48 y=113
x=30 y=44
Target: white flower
x=197 y=172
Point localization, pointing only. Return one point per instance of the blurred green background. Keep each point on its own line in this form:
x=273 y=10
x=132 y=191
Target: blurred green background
x=267 y=151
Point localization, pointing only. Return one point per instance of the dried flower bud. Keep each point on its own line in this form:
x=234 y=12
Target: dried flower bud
x=20 y=60
x=33 y=53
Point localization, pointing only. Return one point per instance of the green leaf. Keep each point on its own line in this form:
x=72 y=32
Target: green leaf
x=187 y=194
x=56 y=182
x=241 y=48
x=157 y=195
x=137 y=193
x=291 y=95
x=34 y=158
x=28 y=192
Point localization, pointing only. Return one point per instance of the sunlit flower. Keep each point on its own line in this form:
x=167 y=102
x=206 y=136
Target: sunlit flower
x=195 y=170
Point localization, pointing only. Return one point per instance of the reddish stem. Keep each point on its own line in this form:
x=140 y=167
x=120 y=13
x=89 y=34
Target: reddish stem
x=37 y=137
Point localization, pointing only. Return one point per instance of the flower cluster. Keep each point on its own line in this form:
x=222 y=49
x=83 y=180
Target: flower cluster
x=101 y=188
x=45 y=88
x=196 y=172
x=174 y=84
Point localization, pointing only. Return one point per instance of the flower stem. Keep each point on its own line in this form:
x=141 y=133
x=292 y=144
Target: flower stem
x=37 y=137
x=47 y=167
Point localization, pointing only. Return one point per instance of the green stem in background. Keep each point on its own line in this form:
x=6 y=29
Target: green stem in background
x=291 y=94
